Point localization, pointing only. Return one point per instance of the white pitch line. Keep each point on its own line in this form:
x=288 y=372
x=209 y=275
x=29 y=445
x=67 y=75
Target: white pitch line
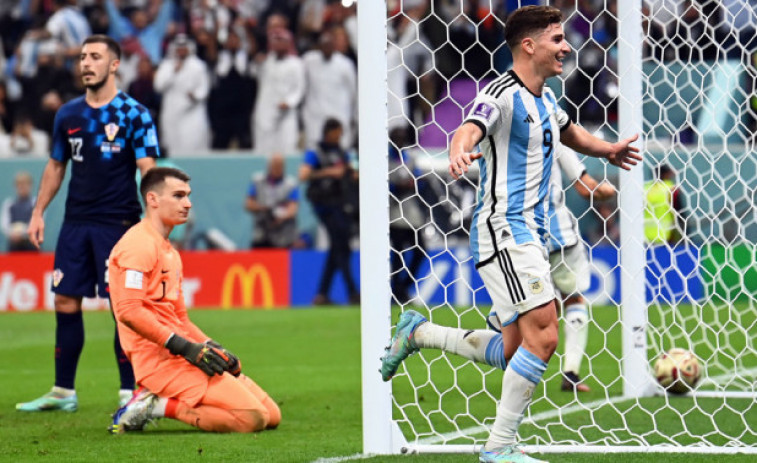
x=357 y=456
x=549 y=414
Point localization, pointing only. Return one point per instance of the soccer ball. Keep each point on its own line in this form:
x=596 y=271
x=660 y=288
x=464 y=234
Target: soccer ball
x=677 y=370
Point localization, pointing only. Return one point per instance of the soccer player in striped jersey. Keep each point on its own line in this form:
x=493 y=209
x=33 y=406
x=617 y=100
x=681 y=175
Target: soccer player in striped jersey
x=517 y=124
x=569 y=261
x=106 y=135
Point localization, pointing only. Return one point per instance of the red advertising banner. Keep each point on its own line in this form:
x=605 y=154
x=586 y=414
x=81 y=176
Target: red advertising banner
x=259 y=279
x=237 y=279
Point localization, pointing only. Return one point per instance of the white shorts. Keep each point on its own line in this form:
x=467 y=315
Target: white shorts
x=518 y=280
x=570 y=269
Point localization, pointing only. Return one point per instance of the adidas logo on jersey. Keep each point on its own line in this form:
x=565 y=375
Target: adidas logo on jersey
x=528 y=119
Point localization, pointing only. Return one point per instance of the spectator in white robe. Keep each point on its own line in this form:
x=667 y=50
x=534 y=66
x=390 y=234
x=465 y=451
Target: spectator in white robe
x=331 y=92
x=183 y=80
x=281 y=87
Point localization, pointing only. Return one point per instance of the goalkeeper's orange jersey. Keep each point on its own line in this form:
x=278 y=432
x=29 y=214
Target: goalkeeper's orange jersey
x=145 y=274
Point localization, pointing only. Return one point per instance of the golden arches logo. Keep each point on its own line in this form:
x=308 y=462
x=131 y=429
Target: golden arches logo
x=247 y=278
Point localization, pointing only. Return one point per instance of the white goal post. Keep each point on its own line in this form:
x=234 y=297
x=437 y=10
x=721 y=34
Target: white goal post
x=698 y=294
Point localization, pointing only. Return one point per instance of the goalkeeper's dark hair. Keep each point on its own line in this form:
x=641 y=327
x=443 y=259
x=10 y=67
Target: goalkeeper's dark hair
x=529 y=20
x=156 y=177
x=112 y=45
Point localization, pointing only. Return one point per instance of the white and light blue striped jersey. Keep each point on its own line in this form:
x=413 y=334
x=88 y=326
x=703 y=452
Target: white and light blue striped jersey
x=563 y=226
x=521 y=131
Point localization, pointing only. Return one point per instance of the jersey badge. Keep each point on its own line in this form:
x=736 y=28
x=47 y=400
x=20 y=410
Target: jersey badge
x=57 y=276
x=111 y=130
x=483 y=110
x=535 y=285
x=133 y=279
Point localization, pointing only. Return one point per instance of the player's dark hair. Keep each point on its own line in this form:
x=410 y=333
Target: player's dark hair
x=529 y=20
x=156 y=177
x=112 y=45
x=330 y=125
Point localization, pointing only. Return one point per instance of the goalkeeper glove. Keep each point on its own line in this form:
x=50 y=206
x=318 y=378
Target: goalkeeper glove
x=203 y=357
x=235 y=366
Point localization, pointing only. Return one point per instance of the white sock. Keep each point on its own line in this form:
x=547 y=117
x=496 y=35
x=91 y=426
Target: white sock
x=576 y=335
x=483 y=346
x=63 y=392
x=159 y=409
x=518 y=383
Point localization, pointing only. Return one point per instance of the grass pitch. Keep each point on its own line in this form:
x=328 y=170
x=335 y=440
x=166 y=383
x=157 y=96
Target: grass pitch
x=308 y=360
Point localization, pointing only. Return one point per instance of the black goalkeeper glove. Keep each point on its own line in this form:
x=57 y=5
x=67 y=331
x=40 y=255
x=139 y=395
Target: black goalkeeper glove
x=235 y=366
x=204 y=357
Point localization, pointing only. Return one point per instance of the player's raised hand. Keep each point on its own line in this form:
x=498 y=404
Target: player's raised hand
x=623 y=154
x=36 y=230
x=202 y=356
x=459 y=162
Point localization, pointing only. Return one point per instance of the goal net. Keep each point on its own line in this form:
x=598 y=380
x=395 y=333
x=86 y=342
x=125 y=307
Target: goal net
x=681 y=74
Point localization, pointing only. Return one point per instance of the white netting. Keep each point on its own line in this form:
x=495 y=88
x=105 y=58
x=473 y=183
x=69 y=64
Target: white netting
x=698 y=78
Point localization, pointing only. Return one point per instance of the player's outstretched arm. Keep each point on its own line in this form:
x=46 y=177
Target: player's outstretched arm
x=620 y=153
x=52 y=177
x=460 y=149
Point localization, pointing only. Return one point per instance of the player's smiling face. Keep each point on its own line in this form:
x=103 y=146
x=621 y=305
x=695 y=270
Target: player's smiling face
x=550 y=50
x=97 y=63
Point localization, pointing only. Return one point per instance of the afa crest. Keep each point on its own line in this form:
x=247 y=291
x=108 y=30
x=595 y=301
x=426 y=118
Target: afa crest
x=535 y=285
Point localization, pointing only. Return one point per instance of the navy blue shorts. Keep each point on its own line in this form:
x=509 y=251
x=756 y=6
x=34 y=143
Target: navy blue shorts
x=81 y=258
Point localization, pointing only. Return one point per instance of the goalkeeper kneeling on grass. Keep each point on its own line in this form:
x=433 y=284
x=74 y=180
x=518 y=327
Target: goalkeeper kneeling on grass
x=182 y=373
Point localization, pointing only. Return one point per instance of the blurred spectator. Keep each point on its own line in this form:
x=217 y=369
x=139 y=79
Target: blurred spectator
x=182 y=79
x=232 y=96
x=327 y=171
x=281 y=86
x=131 y=54
x=694 y=35
x=272 y=198
x=143 y=90
x=409 y=58
x=150 y=31
x=738 y=24
x=24 y=140
x=68 y=26
x=44 y=79
x=16 y=213
x=406 y=217
x=591 y=88
x=6 y=109
x=331 y=91
x=663 y=213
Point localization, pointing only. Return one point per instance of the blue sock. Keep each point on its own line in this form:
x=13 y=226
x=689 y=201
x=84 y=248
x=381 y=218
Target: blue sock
x=528 y=365
x=495 y=353
x=69 y=342
x=125 y=370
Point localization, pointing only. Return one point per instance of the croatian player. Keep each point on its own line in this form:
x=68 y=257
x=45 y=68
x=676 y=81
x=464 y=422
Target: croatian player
x=106 y=135
x=183 y=373
x=518 y=125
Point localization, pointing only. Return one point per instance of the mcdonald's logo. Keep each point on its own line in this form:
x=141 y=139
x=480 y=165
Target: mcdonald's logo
x=247 y=279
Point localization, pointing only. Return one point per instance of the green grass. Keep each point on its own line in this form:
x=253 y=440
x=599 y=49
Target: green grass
x=308 y=360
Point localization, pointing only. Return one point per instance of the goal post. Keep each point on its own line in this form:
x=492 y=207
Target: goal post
x=421 y=63
x=636 y=379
